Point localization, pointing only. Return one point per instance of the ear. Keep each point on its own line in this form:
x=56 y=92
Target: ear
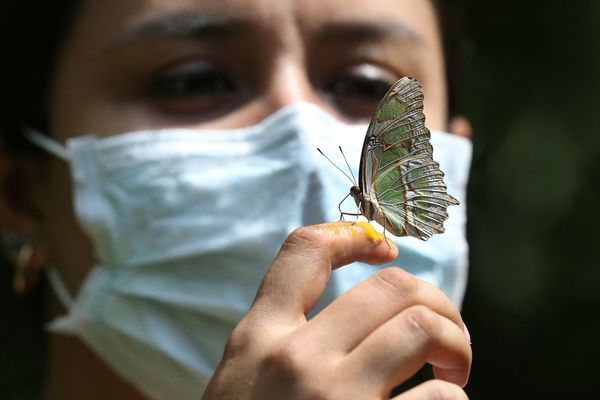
x=18 y=220
x=461 y=126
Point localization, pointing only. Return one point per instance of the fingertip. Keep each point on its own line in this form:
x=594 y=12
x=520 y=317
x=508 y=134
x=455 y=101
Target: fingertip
x=459 y=377
x=359 y=241
x=387 y=248
x=467 y=334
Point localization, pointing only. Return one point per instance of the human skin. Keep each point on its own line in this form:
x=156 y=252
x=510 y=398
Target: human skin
x=122 y=69
x=368 y=340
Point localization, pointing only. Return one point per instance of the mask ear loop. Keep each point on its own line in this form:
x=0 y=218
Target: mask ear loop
x=47 y=143
x=55 y=148
x=59 y=288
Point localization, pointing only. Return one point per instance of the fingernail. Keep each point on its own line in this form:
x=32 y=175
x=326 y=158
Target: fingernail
x=467 y=334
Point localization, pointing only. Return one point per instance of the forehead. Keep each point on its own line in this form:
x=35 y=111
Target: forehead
x=111 y=20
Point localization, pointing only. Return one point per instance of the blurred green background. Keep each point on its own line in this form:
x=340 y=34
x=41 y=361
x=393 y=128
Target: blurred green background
x=533 y=301
x=532 y=93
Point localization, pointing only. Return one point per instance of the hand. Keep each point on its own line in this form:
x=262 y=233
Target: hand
x=362 y=345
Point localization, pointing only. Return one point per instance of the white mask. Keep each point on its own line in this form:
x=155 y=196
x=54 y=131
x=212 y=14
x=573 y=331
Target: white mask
x=185 y=224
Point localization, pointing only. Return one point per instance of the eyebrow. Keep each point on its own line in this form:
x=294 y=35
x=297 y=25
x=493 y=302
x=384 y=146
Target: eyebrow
x=371 y=30
x=193 y=26
x=181 y=25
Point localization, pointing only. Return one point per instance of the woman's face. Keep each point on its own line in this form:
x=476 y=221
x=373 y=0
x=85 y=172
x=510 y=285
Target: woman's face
x=145 y=64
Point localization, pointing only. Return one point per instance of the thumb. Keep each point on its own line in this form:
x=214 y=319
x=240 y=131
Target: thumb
x=300 y=272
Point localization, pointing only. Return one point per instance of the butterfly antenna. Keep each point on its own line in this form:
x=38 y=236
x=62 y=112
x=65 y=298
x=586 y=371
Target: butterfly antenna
x=348 y=165
x=339 y=169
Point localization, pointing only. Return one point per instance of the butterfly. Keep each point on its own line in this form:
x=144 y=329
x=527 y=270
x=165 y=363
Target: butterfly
x=400 y=185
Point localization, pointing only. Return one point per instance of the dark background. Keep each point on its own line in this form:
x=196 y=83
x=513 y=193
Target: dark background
x=532 y=85
x=533 y=301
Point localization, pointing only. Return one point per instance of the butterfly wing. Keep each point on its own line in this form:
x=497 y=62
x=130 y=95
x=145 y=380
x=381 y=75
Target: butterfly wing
x=397 y=170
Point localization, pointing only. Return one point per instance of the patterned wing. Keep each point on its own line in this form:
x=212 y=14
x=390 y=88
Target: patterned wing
x=397 y=168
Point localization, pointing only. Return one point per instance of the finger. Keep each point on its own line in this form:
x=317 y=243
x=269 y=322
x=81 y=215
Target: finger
x=399 y=348
x=357 y=313
x=434 y=390
x=299 y=273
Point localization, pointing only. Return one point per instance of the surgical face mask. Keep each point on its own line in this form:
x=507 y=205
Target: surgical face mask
x=185 y=224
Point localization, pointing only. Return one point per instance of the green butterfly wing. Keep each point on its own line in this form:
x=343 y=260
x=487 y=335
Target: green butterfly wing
x=399 y=179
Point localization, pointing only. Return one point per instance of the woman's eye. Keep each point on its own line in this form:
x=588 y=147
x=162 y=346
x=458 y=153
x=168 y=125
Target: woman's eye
x=357 y=92
x=193 y=88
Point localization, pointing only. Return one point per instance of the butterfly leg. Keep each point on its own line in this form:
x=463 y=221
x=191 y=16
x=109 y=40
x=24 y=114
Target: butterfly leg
x=385 y=237
x=360 y=212
x=384 y=224
x=340 y=208
x=352 y=214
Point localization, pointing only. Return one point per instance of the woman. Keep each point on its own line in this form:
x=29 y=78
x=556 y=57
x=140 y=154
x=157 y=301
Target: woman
x=157 y=231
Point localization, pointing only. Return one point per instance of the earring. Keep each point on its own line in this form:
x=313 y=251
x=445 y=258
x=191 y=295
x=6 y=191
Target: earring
x=20 y=253
x=24 y=276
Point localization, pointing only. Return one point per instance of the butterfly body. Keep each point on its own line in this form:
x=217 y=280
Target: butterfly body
x=369 y=207
x=400 y=185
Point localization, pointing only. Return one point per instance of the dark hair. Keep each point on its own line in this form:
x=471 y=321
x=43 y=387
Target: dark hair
x=450 y=20
x=32 y=33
